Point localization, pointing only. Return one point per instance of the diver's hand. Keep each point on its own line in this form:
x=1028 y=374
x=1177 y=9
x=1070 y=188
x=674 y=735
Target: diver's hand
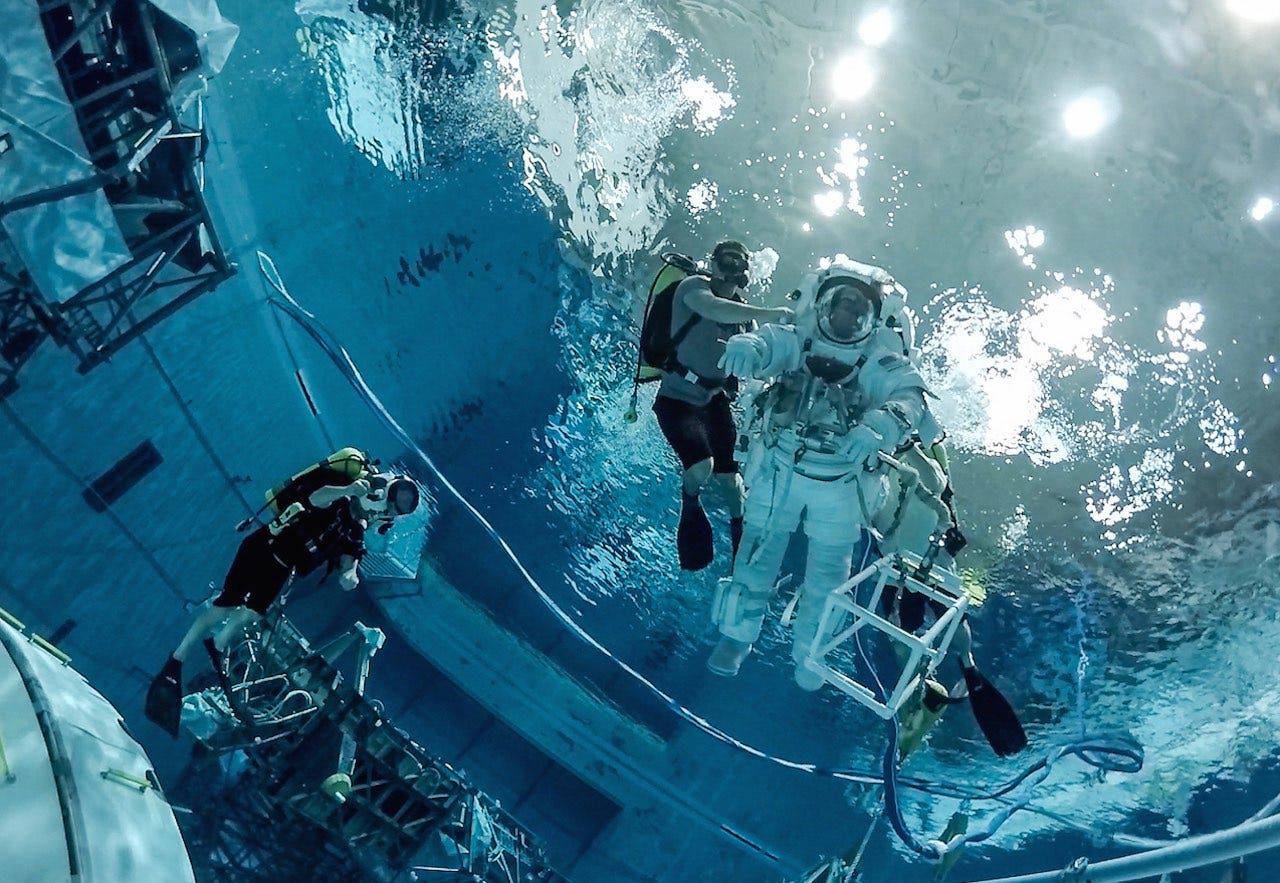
x=743 y=354
x=784 y=316
x=378 y=483
x=861 y=446
x=348 y=580
x=330 y=494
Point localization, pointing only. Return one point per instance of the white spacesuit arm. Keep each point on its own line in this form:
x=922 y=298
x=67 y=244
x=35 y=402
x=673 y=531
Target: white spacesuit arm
x=782 y=350
x=329 y=494
x=907 y=321
x=767 y=352
x=893 y=383
x=896 y=418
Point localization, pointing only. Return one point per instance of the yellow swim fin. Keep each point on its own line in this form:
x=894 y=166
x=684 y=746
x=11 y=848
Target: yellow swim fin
x=918 y=716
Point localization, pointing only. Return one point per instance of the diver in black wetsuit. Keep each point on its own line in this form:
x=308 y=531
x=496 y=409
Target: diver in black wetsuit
x=326 y=527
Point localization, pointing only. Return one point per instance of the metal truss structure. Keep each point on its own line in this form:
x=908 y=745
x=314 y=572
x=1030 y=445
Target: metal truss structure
x=118 y=61
x=326 y=769
x=24 y=321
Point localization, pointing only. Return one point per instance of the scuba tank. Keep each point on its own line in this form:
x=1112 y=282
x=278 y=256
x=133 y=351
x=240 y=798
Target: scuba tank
x=288 y=499
x=657 y=346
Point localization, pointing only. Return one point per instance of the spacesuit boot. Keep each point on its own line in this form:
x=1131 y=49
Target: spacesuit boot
x=803 y=631
x=728 y=656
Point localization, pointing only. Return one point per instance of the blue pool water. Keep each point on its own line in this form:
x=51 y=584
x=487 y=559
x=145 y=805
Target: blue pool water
x=471 y=195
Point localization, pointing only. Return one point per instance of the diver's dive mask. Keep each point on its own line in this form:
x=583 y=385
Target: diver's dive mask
x=732 y=267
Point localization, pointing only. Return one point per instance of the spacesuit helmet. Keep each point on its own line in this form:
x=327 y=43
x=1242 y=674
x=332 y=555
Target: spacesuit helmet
x=847 y=309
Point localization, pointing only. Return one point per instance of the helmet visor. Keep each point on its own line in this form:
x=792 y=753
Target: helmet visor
x=846 y=313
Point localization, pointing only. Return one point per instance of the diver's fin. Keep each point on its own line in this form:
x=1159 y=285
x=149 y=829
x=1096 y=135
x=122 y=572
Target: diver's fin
x=994 y=714
x=163 y=706
x=693 y=536
x=958 y=826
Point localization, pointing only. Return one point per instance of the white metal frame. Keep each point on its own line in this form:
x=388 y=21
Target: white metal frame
x=843 y=616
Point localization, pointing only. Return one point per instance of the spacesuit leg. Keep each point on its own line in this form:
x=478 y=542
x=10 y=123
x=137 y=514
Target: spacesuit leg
x=772 y=515
x=834 y=517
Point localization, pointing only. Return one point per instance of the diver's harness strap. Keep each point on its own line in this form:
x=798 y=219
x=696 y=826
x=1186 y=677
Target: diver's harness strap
x=676 y=367
x=705 y=382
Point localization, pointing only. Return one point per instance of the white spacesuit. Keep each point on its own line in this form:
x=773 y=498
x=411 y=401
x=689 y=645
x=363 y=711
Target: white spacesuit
x=843 y=390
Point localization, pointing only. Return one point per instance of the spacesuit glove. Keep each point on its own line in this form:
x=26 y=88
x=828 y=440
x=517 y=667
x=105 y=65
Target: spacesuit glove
x=885 y=425
x=743 y=354
x=862 y=444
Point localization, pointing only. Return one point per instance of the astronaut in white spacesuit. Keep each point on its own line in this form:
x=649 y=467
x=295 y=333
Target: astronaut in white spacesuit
x=843 y=390
x=920 y=517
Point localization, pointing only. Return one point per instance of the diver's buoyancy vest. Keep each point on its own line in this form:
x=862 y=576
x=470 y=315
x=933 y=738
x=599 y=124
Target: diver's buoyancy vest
x=319 y=536
x=702 y=343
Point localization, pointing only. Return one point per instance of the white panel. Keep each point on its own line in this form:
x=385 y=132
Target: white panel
x=123 y=834
x=33 y=846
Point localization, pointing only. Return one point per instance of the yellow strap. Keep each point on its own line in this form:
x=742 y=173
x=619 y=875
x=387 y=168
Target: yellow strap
x=50 y=649
x=114 y=775
x=938 y=451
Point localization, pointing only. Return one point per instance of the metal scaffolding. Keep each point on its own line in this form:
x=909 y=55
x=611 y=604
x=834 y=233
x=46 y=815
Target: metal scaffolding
x=24 y=322
x=302 y=757
x=127 y=71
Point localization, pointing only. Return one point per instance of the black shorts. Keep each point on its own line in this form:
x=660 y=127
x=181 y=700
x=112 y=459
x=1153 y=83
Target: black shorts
x=699 y=432
x=911 y=607
x=256 y=576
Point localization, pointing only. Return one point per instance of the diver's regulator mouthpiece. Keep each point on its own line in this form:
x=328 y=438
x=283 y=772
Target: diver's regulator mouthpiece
x=734 y=268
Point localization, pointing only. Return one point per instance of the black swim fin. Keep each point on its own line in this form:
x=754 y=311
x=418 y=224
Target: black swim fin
x=994 y=714
x=164 y=698
x=693 y=536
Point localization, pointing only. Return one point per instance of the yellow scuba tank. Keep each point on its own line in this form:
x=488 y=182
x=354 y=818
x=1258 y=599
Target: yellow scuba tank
x=918 y=716
x=658 y=342
x=287 y=500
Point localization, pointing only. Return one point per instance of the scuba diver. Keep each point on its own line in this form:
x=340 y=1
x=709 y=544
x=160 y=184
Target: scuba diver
x=843 y=391
x=315 y=525
x=919 y=516
x=692 y=404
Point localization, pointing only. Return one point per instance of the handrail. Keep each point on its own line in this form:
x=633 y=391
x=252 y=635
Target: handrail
x=1183 y=855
